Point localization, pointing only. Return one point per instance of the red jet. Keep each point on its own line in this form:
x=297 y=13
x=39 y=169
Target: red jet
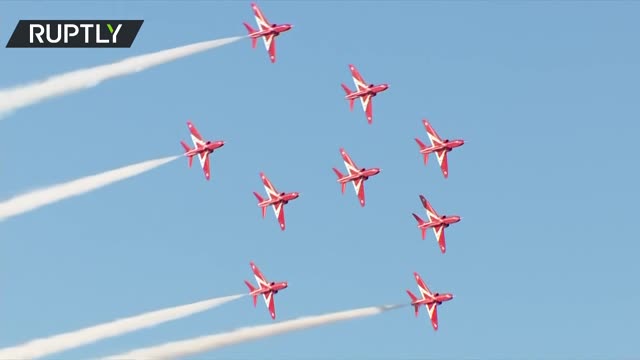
x=439 y=146
x=436 y=222
x=358 y=177
x=202 y=149
x=364 y=92
x=277 y=200
x=266 y=289
x=267 y=32
x=429 y=299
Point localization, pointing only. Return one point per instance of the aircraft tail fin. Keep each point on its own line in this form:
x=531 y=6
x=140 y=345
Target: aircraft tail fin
x=251 y=31
x=414 y=298
x=251 y=289
x=187 y=149
x=420 y=222
x=260 y=199
x=348 y=91
x=340 y=176
x=422 y=148
x=418 y=219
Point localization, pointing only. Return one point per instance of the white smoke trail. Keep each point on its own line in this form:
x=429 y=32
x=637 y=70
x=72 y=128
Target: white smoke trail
x=39 y=198
x=21 y=96
x=212 y=342
x=57 y=343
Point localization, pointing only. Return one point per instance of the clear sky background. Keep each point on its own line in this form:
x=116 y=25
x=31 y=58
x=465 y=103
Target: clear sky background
x=544 y=263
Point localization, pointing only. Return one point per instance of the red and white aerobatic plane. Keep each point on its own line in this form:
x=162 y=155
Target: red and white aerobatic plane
x=429 y=300
x=438 y=146
x=268 y=32
x=202 y=149
x=436 y=222
x=266 y=289
x=364 y=92
x=277 y=200
x=356 y=176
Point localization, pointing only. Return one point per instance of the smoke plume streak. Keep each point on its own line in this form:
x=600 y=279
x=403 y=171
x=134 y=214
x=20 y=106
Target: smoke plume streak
x=211 y=342
x=52 y=194
x=58 y=343
x=21 y=96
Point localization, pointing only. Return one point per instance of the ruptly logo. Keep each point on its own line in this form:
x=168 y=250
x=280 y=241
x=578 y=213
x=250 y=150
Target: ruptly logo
x=74 y=33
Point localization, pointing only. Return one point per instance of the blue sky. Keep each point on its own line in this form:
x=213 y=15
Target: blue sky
x=543 y=264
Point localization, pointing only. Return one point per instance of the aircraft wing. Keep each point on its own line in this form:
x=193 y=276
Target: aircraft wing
x=270 y=44
x=260 y=279
x=433 y=215
x=433 y=135
x=367 y=106
x=351 y=166
x=441 y=155
x=204 y=162
x=432 y=309
x=195 y=135
x=424 y=289
x=357 y=78
x=358 y=185
x=269 y=188
x=261 y=20
x=439 y=232
x=270 y=302
x=278 y=209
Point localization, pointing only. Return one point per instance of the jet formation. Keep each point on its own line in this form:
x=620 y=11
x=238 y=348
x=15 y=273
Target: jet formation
x=355 y=175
